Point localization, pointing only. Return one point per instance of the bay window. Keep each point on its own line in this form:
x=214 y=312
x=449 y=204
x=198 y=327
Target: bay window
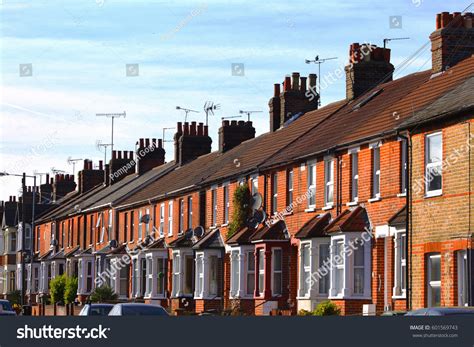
x=433 y=283
x=183 y=272
x=207 y=274
x=242 y=268
x=156 y=274
x=86 y=275
x=261 y=271
x=139 y=276
x=119 y=274
x=351 y=268
x=277 y=272
x=433 y=164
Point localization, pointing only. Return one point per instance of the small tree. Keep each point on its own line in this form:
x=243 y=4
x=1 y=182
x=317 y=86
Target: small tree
x=327 y=308
x=102 y=294
x=14 y=297
x=57 y=289
x=241 y=202
x=70 y=291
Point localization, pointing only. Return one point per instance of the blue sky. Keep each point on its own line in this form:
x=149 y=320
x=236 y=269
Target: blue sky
x=78 y=51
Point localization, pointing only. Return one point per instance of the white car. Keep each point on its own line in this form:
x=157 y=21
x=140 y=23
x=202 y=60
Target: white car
x=136 y=309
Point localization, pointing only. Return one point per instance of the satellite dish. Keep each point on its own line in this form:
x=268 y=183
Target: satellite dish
x=147 y=240
x=145 y=219
x=113 y=243
x=54 y=242
x=198 y=232
x=256 y=202
x=189 y=234
x=256 y=219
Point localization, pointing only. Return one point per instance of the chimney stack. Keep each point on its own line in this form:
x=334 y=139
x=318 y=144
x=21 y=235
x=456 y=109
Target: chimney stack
x=452 y=41
x=88 y=178
x=149 y=154
x=299 y=96
x=63 y=185
x=191 y=144
x=121 y=165
x=232 y=134
x=369 y=66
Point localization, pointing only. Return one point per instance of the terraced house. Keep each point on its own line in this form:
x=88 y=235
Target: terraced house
x=366 y=201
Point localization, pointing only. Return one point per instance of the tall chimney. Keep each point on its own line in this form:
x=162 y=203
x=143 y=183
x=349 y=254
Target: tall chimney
x=298 y=96
x=233 y=133
x=149 y=154
x=46 y=191
x=190 y=145
x=369 y=66
x=88 y=178
x=452 y=41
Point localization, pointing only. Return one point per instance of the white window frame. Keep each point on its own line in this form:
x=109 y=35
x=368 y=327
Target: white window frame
x=354 y=158
x=140 y=224
x=260 y=271
x=438 y=165
x=179 y=272
x=154 y=257
x=181 y=216
x=376 y=181
x=254 y=184
x=329 y=181
x=311 y=184
x=110 y=226
x=226 y=189
x=403 y=166
x=347 y=239
x=83 y=275
x=274 y=187
x=214 y=206
x=170 y=218
x=190 y=212
x=463 y=284
x=429 y=282
x=399 y=264
x=203 y=263
x=315 y=269
x=275 y=271
x=241 y=262
x=117 y=264
x=162 y=220
x=290 y=187
x=147 y=225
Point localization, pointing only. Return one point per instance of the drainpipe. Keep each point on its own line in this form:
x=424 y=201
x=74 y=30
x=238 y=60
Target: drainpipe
x=408 y=224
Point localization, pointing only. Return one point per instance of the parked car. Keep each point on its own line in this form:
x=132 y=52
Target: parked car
x=442 y=311
x=96 y=309
x=6 y=308
x=137 y=309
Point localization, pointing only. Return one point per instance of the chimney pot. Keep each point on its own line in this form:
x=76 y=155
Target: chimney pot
x=160 y=143
x=101 y=165
x=141 y=143
x=179 y=128
x=206 y=130
x=186 y=128
x=147 y=142
x=241 y=123
x=114 y=154
x=119 y=154
x=438 y=21
x=233 y=123
x=225 y=123
x=296 y=80
x=303 y=84
x=276 y=89
x=287 y=84
x=192 y=131
x=200 y=129
x=312 y=80
x=47 y=178
x=130 y=155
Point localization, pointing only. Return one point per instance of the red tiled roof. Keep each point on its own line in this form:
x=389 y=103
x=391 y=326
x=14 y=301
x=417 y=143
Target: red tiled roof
x=397 y=101
x=276 y=232
x=350 y=220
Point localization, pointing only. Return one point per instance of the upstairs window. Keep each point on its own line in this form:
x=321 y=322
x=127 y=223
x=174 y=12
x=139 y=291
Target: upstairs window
x=375 y=172
x=403 y=166
x=181 y=216
x=170 y=218
x=190 y=212
x=132 y=225
x=354 y=176
x=226 y=204
x=140 y=224
x=214 y=206
x=329 y=182
x=274 y=193
x=147 y=222
x=312 y=185
x=289 y=188
x=162 y=220
x=433 y=164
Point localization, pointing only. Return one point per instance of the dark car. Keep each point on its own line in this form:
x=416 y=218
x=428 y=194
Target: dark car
x=96 y=310
x=393 y=313
x=136 y=309
x=6 y=308
x=442 y=311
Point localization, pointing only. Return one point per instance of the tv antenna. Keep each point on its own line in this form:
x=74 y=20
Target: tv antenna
x=387 y=40
x=164 y=130
x=72 y=162
x=209 y=108
x=112 y=116
x=319 y=61
x=230 y=117
x=57 y=171
x=186 y=112
x=248 y=113
x=101 y=145
x=40 y=174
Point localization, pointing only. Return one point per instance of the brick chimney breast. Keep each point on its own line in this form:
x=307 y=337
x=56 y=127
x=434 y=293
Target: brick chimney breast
x=190 y=146
x=452 y=41
x=121 y=165
x=88 y=177
x=149 y=154
x=63 y=185
x=234 y=133
x=368 y=67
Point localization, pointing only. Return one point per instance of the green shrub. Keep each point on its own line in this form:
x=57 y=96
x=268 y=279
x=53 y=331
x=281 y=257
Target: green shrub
x=327 y=308
x=70 y=291
x=241 y=203
x=304 y=313
x=57 y=287
x=102 y=294
x=14 y=297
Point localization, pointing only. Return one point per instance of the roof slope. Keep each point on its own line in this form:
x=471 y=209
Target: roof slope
x=395 y=102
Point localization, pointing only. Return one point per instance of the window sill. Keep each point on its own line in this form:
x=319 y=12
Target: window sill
x=224 y=225
x=378 y=198
x=310 y=209
x=289 y=213
x=433 y=194
x=157 y=297
x=350 y=297
x=399 y=297
x=352 y=203
x=328 y=207
x=401 y=195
